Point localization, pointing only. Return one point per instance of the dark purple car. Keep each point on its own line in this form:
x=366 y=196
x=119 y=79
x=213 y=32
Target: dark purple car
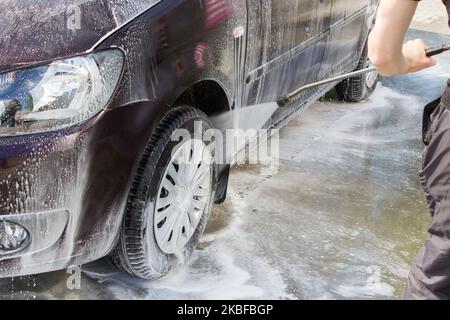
x=92 y=91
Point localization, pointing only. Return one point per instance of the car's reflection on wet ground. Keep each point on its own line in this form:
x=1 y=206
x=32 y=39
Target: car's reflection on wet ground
x=342 y=218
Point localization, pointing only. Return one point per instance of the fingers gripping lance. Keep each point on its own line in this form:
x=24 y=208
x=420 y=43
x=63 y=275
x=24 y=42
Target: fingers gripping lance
x=283 y=101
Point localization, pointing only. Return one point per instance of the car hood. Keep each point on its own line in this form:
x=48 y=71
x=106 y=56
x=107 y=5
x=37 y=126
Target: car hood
x=35 y=31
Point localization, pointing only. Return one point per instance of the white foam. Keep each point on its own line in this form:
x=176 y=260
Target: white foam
x=227 y=268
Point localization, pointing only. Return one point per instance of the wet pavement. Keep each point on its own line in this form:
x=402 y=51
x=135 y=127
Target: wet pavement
x=342 y=218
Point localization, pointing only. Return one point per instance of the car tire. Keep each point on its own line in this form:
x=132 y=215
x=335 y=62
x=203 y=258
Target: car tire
x=145 y=248
x=359 y=88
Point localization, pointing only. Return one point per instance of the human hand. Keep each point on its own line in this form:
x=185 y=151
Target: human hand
x=415 y=58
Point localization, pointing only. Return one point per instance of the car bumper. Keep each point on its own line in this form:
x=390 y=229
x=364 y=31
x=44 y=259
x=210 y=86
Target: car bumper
x=69 y=188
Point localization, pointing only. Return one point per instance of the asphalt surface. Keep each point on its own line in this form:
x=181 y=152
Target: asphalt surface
x=342 y=217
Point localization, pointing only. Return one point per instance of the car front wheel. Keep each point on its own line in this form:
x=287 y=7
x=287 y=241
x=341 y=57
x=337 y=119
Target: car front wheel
x=170 y=199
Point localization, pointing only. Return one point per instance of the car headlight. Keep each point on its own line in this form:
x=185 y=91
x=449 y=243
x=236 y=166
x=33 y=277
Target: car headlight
x=57 y=95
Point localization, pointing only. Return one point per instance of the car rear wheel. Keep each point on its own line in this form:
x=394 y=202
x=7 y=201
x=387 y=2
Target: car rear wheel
x=359 y=88
x=170 y=199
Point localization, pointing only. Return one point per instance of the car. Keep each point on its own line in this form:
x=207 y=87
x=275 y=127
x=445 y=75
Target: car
x=92 y=92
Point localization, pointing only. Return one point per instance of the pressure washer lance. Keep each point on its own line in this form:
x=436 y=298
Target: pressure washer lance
x=283 y=101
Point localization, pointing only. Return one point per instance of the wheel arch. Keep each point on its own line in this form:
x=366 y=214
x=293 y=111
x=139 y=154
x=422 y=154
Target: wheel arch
x=209 y=96
x=212 y=98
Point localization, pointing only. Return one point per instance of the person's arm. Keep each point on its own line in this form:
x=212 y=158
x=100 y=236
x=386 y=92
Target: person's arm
x=386 y=49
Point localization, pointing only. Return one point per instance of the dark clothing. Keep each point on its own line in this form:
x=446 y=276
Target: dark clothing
x=430 y=274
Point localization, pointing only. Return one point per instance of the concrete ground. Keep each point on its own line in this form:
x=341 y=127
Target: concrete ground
x=342 y=218
x=431 y=17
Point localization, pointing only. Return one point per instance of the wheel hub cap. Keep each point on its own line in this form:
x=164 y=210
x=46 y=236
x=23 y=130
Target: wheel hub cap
x=183 y=195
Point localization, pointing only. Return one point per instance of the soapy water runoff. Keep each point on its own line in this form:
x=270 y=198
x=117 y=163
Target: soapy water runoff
x=342 y=218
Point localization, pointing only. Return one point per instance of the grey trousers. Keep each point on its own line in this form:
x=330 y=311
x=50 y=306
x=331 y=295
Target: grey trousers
x=429 y=277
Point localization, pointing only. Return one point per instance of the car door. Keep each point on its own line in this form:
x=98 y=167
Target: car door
x=348 y=33
x=285 y=47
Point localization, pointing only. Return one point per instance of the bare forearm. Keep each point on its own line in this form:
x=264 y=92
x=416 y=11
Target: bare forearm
x=386 y=50
x=386 y=39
